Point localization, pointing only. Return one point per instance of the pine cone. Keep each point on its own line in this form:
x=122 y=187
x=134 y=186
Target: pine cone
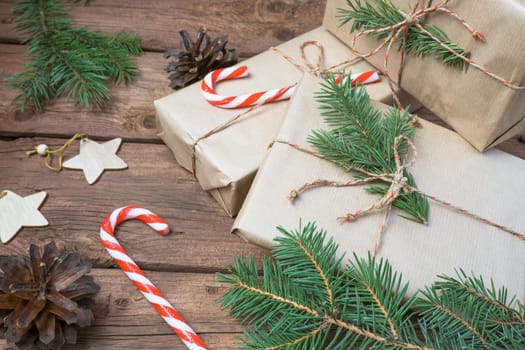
x=196 y=59
x=44 y=298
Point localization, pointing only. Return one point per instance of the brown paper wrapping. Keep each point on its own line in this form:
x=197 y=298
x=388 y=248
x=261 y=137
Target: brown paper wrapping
x=489 y=184
x=226 y=162
x=481 y=109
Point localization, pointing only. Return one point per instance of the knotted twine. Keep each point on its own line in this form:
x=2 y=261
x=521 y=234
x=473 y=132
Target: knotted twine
x=49 y=154
x=307 y=66
x=416 y=15
x=398 y=185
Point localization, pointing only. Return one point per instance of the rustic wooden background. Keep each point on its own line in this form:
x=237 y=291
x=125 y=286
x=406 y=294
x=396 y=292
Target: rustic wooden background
x=182 y=264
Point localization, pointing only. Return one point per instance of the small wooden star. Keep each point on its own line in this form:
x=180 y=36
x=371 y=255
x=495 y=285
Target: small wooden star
x=17 y=212
x=94 y=158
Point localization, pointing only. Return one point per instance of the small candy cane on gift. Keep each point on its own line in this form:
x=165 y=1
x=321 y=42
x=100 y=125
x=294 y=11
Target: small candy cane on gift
x=240 y=101
x=144 y=285
x=361 y=78
x=261 y=97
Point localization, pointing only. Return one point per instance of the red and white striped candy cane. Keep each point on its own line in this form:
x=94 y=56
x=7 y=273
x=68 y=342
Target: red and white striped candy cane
x=130 y=268
x=362 y=78
x=240 y=101
x=261 y=97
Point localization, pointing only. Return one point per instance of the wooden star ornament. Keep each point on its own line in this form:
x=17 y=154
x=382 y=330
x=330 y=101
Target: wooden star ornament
x=17 y=212
x=95 y=157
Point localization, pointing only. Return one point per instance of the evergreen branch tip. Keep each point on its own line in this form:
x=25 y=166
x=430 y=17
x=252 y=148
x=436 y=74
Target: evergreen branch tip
x=371 y=308
x=74 y=62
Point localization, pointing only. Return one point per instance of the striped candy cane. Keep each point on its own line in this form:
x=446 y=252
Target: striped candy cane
x=361 y=78
x=130 y=268
x=240 y=101
x=261 y=97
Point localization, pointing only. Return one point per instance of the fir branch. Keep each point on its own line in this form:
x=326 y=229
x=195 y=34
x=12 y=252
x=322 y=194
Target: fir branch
x=479 y=316
x=309 y=266
x=302 y=320
x=384 y=300
x=32 y=82
x=362 y=139
x=112 y=53
x=370 y=308
x=67 y=60
x=375 y=14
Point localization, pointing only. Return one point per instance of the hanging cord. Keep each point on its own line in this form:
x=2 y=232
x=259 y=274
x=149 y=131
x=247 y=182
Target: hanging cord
x=43 y=150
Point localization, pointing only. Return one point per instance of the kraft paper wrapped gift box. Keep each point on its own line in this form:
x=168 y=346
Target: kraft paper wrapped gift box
x=489 y=184
x=226 y=162
x=484 y=111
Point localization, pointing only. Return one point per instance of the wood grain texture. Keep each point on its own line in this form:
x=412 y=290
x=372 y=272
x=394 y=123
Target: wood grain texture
x=129 y=114
x=182 y=264
x=201 y=238
x=252 y=26
x=124 y=319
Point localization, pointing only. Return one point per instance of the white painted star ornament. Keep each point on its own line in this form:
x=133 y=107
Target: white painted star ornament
x=95 y=157
x=17 y=212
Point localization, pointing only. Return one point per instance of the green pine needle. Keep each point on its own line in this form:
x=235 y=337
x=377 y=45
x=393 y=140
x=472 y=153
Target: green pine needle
x=374 y=14
x=458 y=306
x=307 y=298
x=68 y=61
x=362 y=138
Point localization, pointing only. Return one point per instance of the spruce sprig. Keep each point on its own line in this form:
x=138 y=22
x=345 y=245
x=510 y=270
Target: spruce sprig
x=476 y=315
x=309 y=298
x=66 y=60
x=374 y=14
x=362 y=138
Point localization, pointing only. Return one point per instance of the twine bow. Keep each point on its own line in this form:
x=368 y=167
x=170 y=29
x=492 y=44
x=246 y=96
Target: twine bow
x=398 y=185
x=414 y=18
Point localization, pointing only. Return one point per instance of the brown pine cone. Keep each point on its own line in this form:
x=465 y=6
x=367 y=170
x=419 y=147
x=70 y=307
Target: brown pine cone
x=44 y=298
x=193 y=60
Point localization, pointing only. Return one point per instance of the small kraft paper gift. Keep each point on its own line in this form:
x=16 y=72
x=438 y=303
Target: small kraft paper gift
x=224 y=147
x=297 y=184
x=463 y=59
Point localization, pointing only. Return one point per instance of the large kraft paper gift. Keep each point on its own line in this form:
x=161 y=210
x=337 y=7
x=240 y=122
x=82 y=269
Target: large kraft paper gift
x=226 y=161
x=483 y=110
x=489 y=184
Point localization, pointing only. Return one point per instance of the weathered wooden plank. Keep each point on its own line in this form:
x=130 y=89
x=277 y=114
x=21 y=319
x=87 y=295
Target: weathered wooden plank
x=129 y=114
x=252 y=26
x=201 y=238
x=219 y=341
x=124 y=319
x=141 y=341
x=194 y=295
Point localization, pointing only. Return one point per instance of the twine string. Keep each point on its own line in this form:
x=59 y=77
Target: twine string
x=307 y=66
x=317 y=68
x=417 y=14
x=215 y=130
x=398 y=185
x=50 y=154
